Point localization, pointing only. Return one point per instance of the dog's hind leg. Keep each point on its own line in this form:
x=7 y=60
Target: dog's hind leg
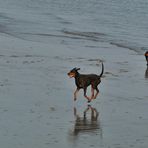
x=97 y=92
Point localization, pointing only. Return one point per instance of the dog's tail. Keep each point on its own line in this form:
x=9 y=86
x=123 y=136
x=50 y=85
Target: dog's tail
x=102 y=70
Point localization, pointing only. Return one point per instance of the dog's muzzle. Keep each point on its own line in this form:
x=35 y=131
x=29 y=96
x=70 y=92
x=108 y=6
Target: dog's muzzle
x=71 y=75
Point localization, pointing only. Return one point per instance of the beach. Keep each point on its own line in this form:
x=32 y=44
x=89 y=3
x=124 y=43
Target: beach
x=41 y=41
x=37 y=106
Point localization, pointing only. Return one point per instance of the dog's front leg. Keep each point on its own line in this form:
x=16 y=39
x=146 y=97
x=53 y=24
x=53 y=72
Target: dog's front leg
x=75 y=94
x=92 y=92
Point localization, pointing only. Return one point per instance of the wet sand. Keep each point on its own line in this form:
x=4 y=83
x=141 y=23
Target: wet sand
x=37 y=108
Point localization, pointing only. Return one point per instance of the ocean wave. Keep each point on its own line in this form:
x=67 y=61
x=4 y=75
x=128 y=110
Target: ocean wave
x=129 y=46
x=68 y=34
x=96 y=36
x=87 y=35
x=92 y=36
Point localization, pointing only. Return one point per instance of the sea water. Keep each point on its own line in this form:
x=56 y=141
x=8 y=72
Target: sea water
x=123 y=23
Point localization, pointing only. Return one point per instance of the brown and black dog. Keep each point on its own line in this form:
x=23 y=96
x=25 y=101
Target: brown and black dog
x=82 y=81
x=146 y=56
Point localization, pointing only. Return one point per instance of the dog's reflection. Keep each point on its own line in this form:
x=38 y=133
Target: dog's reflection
x=146 y=73
x=88 y=122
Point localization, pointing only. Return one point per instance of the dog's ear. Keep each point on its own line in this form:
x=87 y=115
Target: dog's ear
x=77 y=69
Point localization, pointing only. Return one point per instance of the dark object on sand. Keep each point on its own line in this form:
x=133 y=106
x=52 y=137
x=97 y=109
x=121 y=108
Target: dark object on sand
x=146 y=73
x=146 y=56
x=84 y=80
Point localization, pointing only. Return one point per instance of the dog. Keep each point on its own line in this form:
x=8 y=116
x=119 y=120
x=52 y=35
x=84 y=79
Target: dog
x=82 y=81
x=146 y=56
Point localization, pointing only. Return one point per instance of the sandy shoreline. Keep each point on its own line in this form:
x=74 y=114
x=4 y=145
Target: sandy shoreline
x=37 y=108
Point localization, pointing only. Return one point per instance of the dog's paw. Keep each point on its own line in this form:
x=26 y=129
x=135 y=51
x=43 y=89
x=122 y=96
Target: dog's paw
x=88 y=101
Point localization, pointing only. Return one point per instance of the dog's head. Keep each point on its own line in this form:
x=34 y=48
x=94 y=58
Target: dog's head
x=73 y=72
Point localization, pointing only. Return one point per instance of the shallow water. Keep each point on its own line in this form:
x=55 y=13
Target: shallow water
x=122 y=23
